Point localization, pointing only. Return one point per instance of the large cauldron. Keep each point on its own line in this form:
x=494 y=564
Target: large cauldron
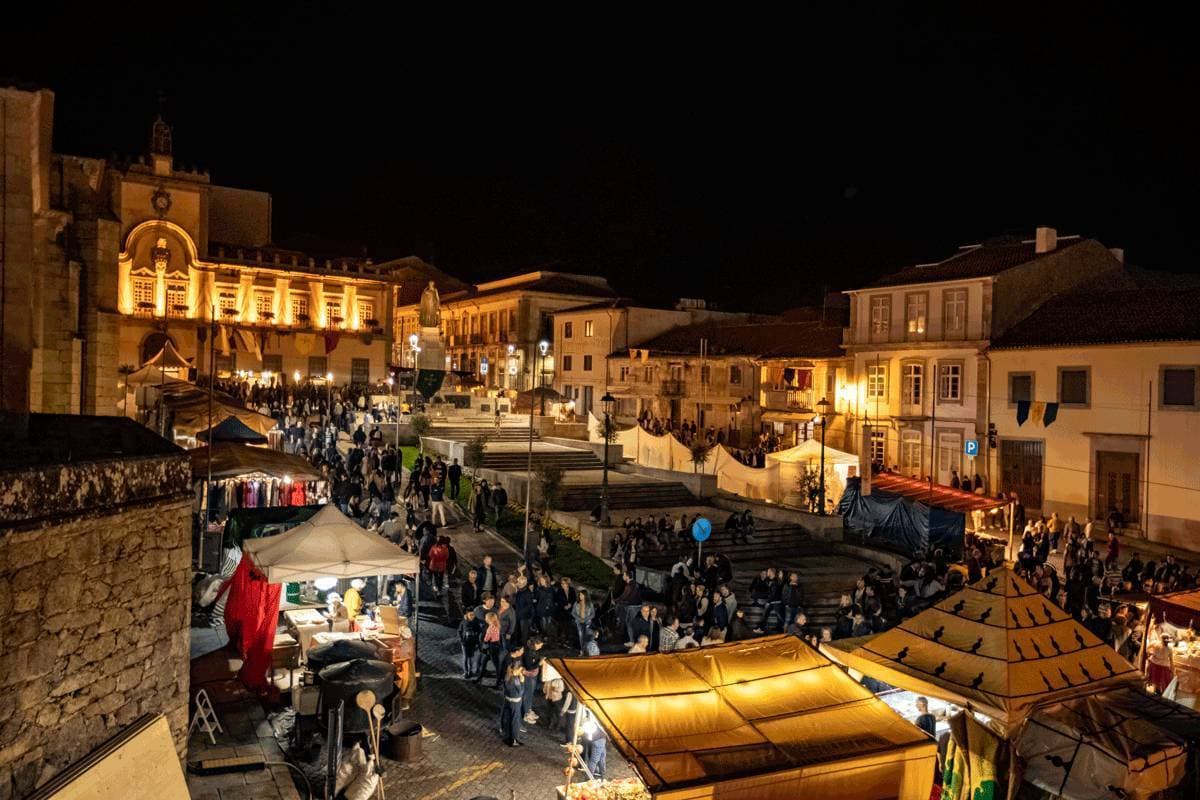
x=338 y=651
x=344 y=682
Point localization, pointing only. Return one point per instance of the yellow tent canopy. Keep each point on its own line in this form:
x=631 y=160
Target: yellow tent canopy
x=997 y=647
x=767 y=718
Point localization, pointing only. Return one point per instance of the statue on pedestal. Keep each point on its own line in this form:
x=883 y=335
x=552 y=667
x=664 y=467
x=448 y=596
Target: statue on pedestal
x=431 y=307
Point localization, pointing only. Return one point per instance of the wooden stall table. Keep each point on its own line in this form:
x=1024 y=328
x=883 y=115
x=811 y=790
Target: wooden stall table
x=306 y=622
x=285 y=654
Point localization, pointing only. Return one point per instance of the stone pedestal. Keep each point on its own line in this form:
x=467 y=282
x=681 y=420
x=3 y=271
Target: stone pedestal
x=433 y=351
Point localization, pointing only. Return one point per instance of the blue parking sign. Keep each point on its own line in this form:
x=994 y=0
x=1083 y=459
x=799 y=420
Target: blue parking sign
x=701 y=529
x=971 y=447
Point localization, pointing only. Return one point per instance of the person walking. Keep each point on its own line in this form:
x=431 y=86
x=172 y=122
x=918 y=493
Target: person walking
x=454 y=473
x=439 y=556
x=499 y=501
x=490 y=649
x=478 y=508
x=531 y=669
x=510 y=721
x=437 y=495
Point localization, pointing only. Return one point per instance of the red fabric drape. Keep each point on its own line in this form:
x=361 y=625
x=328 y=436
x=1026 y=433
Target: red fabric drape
x=250 y=619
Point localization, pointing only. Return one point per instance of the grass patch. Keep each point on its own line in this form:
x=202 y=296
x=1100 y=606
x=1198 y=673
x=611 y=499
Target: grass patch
x=570 y=558
x=408 y=456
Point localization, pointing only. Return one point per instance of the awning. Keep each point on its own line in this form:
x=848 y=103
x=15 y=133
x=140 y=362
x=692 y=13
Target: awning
x=331 y=545
x=766 y=718
x=230 y=460
x=939 y=496
x=168 y=358
x=788 y=416
x=997 y=647
x=1181 y=609
x=232 y=429
x=1118 y=740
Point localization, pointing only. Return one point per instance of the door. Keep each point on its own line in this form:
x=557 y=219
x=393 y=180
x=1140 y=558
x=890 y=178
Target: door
x=1117 y=485
x=585 y=404
x=1021 y=470
x=949 y=455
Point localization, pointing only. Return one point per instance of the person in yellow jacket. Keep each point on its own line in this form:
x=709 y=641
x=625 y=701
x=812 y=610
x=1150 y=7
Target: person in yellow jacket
x=353 y=599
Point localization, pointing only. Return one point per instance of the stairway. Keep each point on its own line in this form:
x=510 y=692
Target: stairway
x=642 y=494
x=465 y=433
x=563 y=459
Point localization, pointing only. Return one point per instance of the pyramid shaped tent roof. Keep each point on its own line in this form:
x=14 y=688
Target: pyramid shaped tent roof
x=232 y=429
x=168 y=358
x=997 y=647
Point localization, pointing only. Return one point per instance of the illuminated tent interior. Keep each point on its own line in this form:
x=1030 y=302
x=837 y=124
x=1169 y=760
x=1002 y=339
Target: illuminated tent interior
x=997 y=647
x=767 y=718
x=232 y=460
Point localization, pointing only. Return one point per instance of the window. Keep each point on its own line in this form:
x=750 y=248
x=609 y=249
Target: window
x=1073 y=387
x=950 y=382
x=878 y=447
x=273 y=363
x=568 y=329
x=567 y=363
x=589 y=328
x=877 y=381
x=366 y=312
x=587 y=363
x=914 y=314
x=624 y=373
x=360 y=370
x=1020 y=387
x=735 y=375
x=227 y=303
x=318 y=366
x=333 y=312
x=912 y=384
x=910 y=452
x=648 y=374
x=300 y=308
x=264 y=304
x=954 y=313
x=143 y=295
x=831 y=385
x=1178 y=387
x=881 y=317
x=705 y=374
x=177 y=299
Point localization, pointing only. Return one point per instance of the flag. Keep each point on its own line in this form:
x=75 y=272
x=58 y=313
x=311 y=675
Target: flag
x=331 y=341
x=250 y=342
x=223 y=340
x=1050 y=415
x=1036 y=412
x=1022 y=411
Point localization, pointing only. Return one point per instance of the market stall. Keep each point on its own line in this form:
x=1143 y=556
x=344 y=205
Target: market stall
x=998 y=647
x=244 y=476
x=807 y=457
x=231 y=429
x=1171 y=642
x=765 y=718
x=1115 y=743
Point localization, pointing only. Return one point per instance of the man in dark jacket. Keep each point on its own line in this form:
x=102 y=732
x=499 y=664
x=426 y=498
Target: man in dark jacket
x=454 y=473
x=526 y=607
x=499 y=501
x=642 y=625
x=469 y=634
x=489 y=579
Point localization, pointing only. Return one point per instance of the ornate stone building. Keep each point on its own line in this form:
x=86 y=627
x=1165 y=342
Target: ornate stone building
x=104 y=261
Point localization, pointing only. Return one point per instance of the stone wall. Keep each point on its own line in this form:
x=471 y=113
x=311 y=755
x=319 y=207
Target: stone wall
x=95 y=598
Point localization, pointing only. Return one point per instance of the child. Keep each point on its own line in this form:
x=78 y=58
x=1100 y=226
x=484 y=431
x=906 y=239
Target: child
x=469 y=634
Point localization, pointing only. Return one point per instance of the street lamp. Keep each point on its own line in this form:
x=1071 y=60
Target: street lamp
x=390 y=382
x=329 y=387
x=543 y=348
x=296 y=377
x=607 y=401
x=822 y=420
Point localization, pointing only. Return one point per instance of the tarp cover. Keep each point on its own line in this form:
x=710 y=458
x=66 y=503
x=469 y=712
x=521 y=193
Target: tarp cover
x=331 y=545
x=229 y=460
x=767 y=718
x=937 y=495
x=906 y=525
x=1112 y=744
x=232 y=429
x=997 y=647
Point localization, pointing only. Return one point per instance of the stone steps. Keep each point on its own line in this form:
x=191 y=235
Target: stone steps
x=465 y=433
x=648 y=494
x=564 y=460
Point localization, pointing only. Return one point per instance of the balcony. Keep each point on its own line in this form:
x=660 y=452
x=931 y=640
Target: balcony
x=788 y=399
x=672 y=388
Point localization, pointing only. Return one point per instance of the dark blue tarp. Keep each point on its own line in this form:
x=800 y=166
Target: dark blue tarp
x=904 y=525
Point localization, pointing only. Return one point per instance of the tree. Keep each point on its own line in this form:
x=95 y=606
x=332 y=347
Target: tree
x=473 y=455
x=421 y=425
x=125 y=370
x=700 y=453
x=550 y=481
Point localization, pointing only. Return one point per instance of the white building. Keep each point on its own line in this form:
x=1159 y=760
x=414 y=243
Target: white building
x=918 y=338
x=1105 y=380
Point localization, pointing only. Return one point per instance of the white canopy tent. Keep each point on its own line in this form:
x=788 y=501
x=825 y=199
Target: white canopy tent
x=328 y=545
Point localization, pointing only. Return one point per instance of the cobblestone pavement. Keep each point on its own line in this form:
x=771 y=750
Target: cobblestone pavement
x=463 y=755
x=246 y=733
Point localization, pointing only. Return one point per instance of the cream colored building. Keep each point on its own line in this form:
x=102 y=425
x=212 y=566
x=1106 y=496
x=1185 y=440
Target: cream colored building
x=500 y=323
x=584 y=336
x=917 y=340
x=105 y=261
x=1122 y=362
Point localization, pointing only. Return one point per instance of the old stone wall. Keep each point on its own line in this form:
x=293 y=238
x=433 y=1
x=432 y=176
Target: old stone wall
x=94 y=614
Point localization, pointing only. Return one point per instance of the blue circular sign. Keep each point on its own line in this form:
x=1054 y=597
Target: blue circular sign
x=701 y=529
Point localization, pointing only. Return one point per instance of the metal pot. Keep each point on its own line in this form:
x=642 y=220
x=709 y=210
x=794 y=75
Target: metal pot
x=343 y=682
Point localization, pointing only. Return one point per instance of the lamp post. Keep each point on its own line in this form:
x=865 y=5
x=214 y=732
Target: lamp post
x=543 y=348
x=823 y=421
x=607 y=401
x=329 y=390
x=390 y=382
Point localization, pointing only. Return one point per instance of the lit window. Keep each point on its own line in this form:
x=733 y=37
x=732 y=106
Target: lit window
x=177 y=299
x=911 y=385
x=333 y=312
x=366 y=312
x=878 y=446
x=950 y=383
x=300 y=308
x=877 y=381
x=648 y=374
x=264 y=304
x=954 y=313
x=227 y=303
x=589 y=328
x=143 y=295
x=914 y=314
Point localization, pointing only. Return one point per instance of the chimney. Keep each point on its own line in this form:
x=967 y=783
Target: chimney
x=1045 y=240
x=1118 y=253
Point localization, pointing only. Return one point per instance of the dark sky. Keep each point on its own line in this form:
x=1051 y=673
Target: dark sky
x=748 y=161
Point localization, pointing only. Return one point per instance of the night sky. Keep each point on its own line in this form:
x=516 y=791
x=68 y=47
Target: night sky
x=747 y=161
